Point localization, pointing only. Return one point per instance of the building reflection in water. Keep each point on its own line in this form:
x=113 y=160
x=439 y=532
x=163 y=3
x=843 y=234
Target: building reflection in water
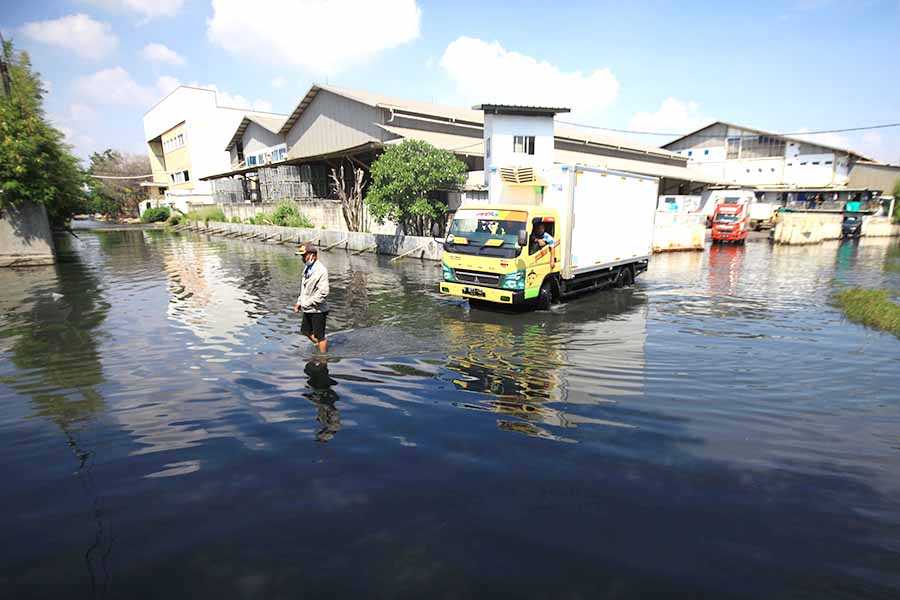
x=323 y=396
x=204 y=297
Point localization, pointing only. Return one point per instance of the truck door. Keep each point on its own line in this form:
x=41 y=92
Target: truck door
x=542 y=259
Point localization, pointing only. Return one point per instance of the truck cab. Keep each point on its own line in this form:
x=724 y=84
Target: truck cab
x=731 y=221
x=491 y=254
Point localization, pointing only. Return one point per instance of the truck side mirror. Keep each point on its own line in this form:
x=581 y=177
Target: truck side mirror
x=523 y=238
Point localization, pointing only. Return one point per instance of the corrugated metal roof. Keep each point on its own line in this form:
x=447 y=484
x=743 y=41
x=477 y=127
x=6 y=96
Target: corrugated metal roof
x=460 y=144
x=466 y=116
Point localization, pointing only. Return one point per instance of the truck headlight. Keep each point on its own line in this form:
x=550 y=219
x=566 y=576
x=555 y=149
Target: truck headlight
x=449 y=275
x=513 y=281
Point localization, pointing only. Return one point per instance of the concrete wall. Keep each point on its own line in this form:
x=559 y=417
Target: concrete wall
x=423 y=247
x=673 y=231
x=879 y=227
x=324 y=214
x=797 y=228
x=25 y=237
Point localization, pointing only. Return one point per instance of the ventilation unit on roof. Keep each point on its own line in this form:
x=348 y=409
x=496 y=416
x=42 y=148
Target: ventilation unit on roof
x=518 y=175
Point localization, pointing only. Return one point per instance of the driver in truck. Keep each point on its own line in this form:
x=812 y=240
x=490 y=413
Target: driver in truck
x=540 y=236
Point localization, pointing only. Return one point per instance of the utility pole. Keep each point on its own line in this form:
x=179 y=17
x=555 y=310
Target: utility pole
x=4 y=69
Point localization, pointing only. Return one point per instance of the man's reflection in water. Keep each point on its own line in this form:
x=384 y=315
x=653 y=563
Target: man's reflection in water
x=321 y=394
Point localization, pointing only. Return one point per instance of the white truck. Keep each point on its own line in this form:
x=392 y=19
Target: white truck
x=601 y=223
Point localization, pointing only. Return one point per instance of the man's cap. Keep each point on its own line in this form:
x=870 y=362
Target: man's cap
x=308 y=248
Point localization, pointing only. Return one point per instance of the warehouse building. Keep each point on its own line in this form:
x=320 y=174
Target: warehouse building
x=782 y=168
x=332 y=126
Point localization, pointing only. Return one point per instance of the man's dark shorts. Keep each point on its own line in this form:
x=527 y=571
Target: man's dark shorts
x=314 y=324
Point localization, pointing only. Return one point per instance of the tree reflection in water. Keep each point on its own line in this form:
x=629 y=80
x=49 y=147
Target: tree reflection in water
x=59 y=349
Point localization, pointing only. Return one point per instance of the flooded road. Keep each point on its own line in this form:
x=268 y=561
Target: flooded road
x=718 y=430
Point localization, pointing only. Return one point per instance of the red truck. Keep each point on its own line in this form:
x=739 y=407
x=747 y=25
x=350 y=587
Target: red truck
x=731 y=221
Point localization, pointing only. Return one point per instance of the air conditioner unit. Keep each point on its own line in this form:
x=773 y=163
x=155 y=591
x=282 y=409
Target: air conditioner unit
x=520 y=175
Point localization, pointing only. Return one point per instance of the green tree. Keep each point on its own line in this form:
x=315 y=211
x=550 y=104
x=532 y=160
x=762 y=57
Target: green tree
x=113 y=194
x=35 y=163
x=405 y=180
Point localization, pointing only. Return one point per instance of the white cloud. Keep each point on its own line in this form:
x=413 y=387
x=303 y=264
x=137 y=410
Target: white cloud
x=279 y=82
x=115 y=86
x=674 y=115
x=322 y=36
x=77 y=33
x=166 y=84
x=148 y=9
x=161 y=53
x=82 y=144
x=487 y=72
x=81 y=112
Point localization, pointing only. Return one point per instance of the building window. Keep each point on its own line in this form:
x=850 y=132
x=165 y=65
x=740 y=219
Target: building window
x=239 y=146
x=706 y=152
x=734 y=147
x=180 y=177
x=523 y=144
x=487 y=148
x=802 y=164
x=690 y=152
x=251 y=160
x=828 y=162
x=815 y=162
x=790 y=164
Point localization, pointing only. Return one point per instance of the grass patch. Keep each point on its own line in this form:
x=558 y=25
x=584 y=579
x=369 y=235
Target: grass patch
x=873 y=308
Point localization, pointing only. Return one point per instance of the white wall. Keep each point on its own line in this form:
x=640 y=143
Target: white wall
x=209 y=128
x=500 y=130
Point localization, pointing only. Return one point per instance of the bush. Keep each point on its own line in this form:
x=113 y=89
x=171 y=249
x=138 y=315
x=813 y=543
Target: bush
x=174 y=220
x=156 y=214
x=235 y=219
x=284 y=215
x=207 y=214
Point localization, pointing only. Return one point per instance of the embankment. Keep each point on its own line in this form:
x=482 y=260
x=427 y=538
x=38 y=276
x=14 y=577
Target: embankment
x=354 y=241
x=25 y=237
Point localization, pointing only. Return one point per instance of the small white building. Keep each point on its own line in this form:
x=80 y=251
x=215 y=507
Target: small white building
x=187 y=133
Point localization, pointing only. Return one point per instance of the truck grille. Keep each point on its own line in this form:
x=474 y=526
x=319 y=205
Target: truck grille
x=488 y=279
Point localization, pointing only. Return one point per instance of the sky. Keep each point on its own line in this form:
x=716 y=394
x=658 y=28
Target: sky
x=790 y=66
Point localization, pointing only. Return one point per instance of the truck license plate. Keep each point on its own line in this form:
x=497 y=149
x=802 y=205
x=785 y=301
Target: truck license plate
x=473 y=292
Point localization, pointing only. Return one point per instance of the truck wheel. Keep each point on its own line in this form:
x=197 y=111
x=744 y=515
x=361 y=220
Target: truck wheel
x=627 y=277
x=545 y=296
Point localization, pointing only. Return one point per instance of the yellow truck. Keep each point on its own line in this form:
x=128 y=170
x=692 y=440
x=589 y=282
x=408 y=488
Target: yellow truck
x=600 y=221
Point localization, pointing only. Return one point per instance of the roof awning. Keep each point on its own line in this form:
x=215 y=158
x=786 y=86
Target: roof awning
x=458 y=144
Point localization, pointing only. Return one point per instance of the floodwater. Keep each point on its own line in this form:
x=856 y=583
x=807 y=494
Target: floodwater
x=719 y=430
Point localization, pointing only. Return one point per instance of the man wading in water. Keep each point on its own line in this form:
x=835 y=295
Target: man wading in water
x=313 y=292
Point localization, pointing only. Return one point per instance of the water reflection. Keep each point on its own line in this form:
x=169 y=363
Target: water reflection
x=519 y=368
x=323 y=396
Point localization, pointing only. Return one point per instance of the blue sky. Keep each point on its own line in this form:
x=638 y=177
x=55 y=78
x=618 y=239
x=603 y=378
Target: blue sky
x=662 y=66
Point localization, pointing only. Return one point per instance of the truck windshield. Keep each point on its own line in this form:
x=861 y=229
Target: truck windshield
x=726 y=218
x=486 y=232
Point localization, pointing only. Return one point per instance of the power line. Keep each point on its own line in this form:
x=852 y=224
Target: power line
x=793 y=133
x=120 y=177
